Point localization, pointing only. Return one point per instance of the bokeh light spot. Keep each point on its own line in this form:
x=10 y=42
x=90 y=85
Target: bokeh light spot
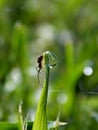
x=62 y=98
x=88 y=71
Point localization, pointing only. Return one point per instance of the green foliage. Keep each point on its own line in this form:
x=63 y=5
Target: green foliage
x=40 y=121
x=69 y=29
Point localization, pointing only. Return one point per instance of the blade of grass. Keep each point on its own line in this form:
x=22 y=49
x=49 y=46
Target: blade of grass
x=40 y=122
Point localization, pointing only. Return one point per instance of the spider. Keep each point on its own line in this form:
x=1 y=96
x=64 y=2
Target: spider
x=39 y=61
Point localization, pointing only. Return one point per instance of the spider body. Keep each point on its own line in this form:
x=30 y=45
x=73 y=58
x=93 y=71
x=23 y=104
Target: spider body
x=39 y=61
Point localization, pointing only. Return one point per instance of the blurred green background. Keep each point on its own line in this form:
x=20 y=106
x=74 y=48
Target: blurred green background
x=70 y=30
